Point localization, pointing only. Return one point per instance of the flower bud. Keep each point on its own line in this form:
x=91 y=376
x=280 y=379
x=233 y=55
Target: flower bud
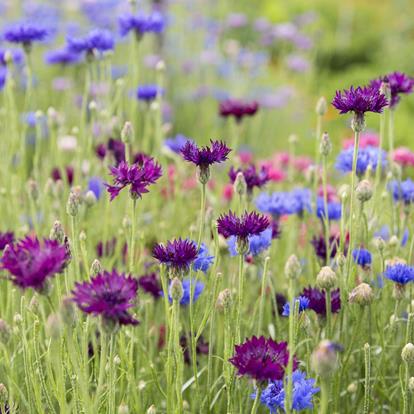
x=96 y=267
x=123 y=409
x=117 y=360
x=352 y=388
x=82 y=236
x=344 y=192
x=240 y=186
x=340 y=260
x=324 y=359
x=293 y=139
x=379 y=243
x=321 y=106
x=8 y=56
x=393 y=242
x=54 y=326
x=326 y=278
x=363 y=191
x=126 y=223
x=127 y=133
x=203 y=173
x=242 y=245
x=407 y=353
x=362 y=295
x=72 y=206
x=224 y=300
x=325 y=146
x=176 y=290
x=90 y=199
x=17 y=319
x=56 y=232
x=92 y=106
x=358 y=122
x=152 y=410
x=293 y=268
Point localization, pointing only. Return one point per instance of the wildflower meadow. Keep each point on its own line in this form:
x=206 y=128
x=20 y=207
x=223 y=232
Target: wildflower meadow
x=206 y=207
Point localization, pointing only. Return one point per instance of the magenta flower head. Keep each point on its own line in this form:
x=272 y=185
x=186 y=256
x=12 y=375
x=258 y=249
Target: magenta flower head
x=262 y=359
x=249 y=224
x=252 y=177
x=359 y=100
x=317 y=300
x=109 y=295
x=398 y=82
x=5 y=239
x=238 y=109
x=203 y=157
x=138 y=177
x=177 y=255
x=31 y=262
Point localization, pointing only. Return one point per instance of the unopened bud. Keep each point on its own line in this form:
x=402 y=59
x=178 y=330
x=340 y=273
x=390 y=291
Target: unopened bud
x=344 y=192
x=240 y=186
x=92 y=106
x=224 y=300
x=72 y=206
x=293 y=268
x=96 y=267
x=393 y=242
x=117 y=360
x=123 y=409
x=379 y=243
x=321 y=106
x=352 y=388
x=326 y=278
x=176 y=290
x=324 y=359
x=407 y=353
x=160 y=66
x=203 y=173
x=340 y=259
x=363 y=191
x=56 y=232
x=82 y=236
x=362 y=295
x=90 y=199
x=325 y=146
x=152 y=410
x=293 y=139
x=126 y=223
x=127 y=133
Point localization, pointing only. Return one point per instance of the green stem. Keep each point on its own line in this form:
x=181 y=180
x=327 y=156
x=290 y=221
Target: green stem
x=202 y=215
x=256 y=400
x=324 y=396
x=133 y=231
x=328 y=313
x=262 y=295
x=367 y=353
x=240 y=298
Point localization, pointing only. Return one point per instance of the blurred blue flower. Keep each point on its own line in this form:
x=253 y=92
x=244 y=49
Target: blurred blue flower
x=334 y=209
x=257 y=244
x=400 y=273
x=362 y=257
x=96 y=185
x=303 y=305
x=177 y=143
x=203 y=261
x=197 y=288
x=366 y=156
x=402 y=191
x=148 y=93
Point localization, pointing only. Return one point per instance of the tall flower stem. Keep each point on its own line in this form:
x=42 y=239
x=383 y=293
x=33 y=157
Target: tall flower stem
x=256 y=400
x=352 y=202
x=391 y=132
x=240 y=298
x=178 y=356
x=202 y=215
x=367 y=354
x=324 y=396
x=378 y=171
x=102 y=365
x=133 y=231
x=262 y=295
x=328 y=312
x=75 y=238
x=325 y=206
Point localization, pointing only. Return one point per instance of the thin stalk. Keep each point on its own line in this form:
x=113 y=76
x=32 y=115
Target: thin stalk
x=262 y=295
x=202 y=215
x=328 y=313
x=133 y=231
x=240 y=298
x=289 y=370
x=367 y=354
x=256 y=400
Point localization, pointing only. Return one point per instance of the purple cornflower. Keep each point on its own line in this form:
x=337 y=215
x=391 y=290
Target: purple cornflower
x=203 y=157
x=62 y=57
x=137 y=176
x=249 y=224
x=317 y=300
x=177 y=254
x=398 y=82
x=359 y=100
x=319 y=245
x=141 y=24
x=31 y=262
x=109 y=295
x=5 y=239
x=150 y=283
x=252 y=177
x=177 y=143
x=148 y=93
x=97 y=39
x=24 y=33
x=238 y=109
x=262 y=359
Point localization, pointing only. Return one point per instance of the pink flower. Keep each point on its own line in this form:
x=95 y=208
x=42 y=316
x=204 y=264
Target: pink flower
x=368 y=139
x=228 y=192
x=403 y=156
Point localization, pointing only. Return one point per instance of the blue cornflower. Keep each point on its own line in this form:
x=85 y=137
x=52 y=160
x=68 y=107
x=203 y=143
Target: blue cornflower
x=61 y=57
x=203 y=261
x=402 y=191
x=362 y=257
x=334 y=209
x=141 y=23
x=298 y=201
x=257 y=243
x=3 y=77
x=148 y=93
x=366 y=156
x=274 y=204
x=273 y=396
x=176 y=144
x=400 y=273
x=24 y=33
x=97 y=39
x=96 y=185
x=303 y=305
x=197 y=288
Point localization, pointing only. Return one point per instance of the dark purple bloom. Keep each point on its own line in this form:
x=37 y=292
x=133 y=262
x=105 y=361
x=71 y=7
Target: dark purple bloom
x=137 y=176
x=97 y=39
x=262 y=359
x=317 y=300
x=5 y=239
x=359 y=100
x=398 y=82
x=24 y=33
x=252 y=177
x=319 y=245
x=108 y=294
x=238 y=109
x=148 y=93
x=249 y=224
x=141 y=23
x=117 y=148
x=62 y=57
x=150 y=283
x=201 y=348
x=31 y=262
x=178 y=254
x=205 y=156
